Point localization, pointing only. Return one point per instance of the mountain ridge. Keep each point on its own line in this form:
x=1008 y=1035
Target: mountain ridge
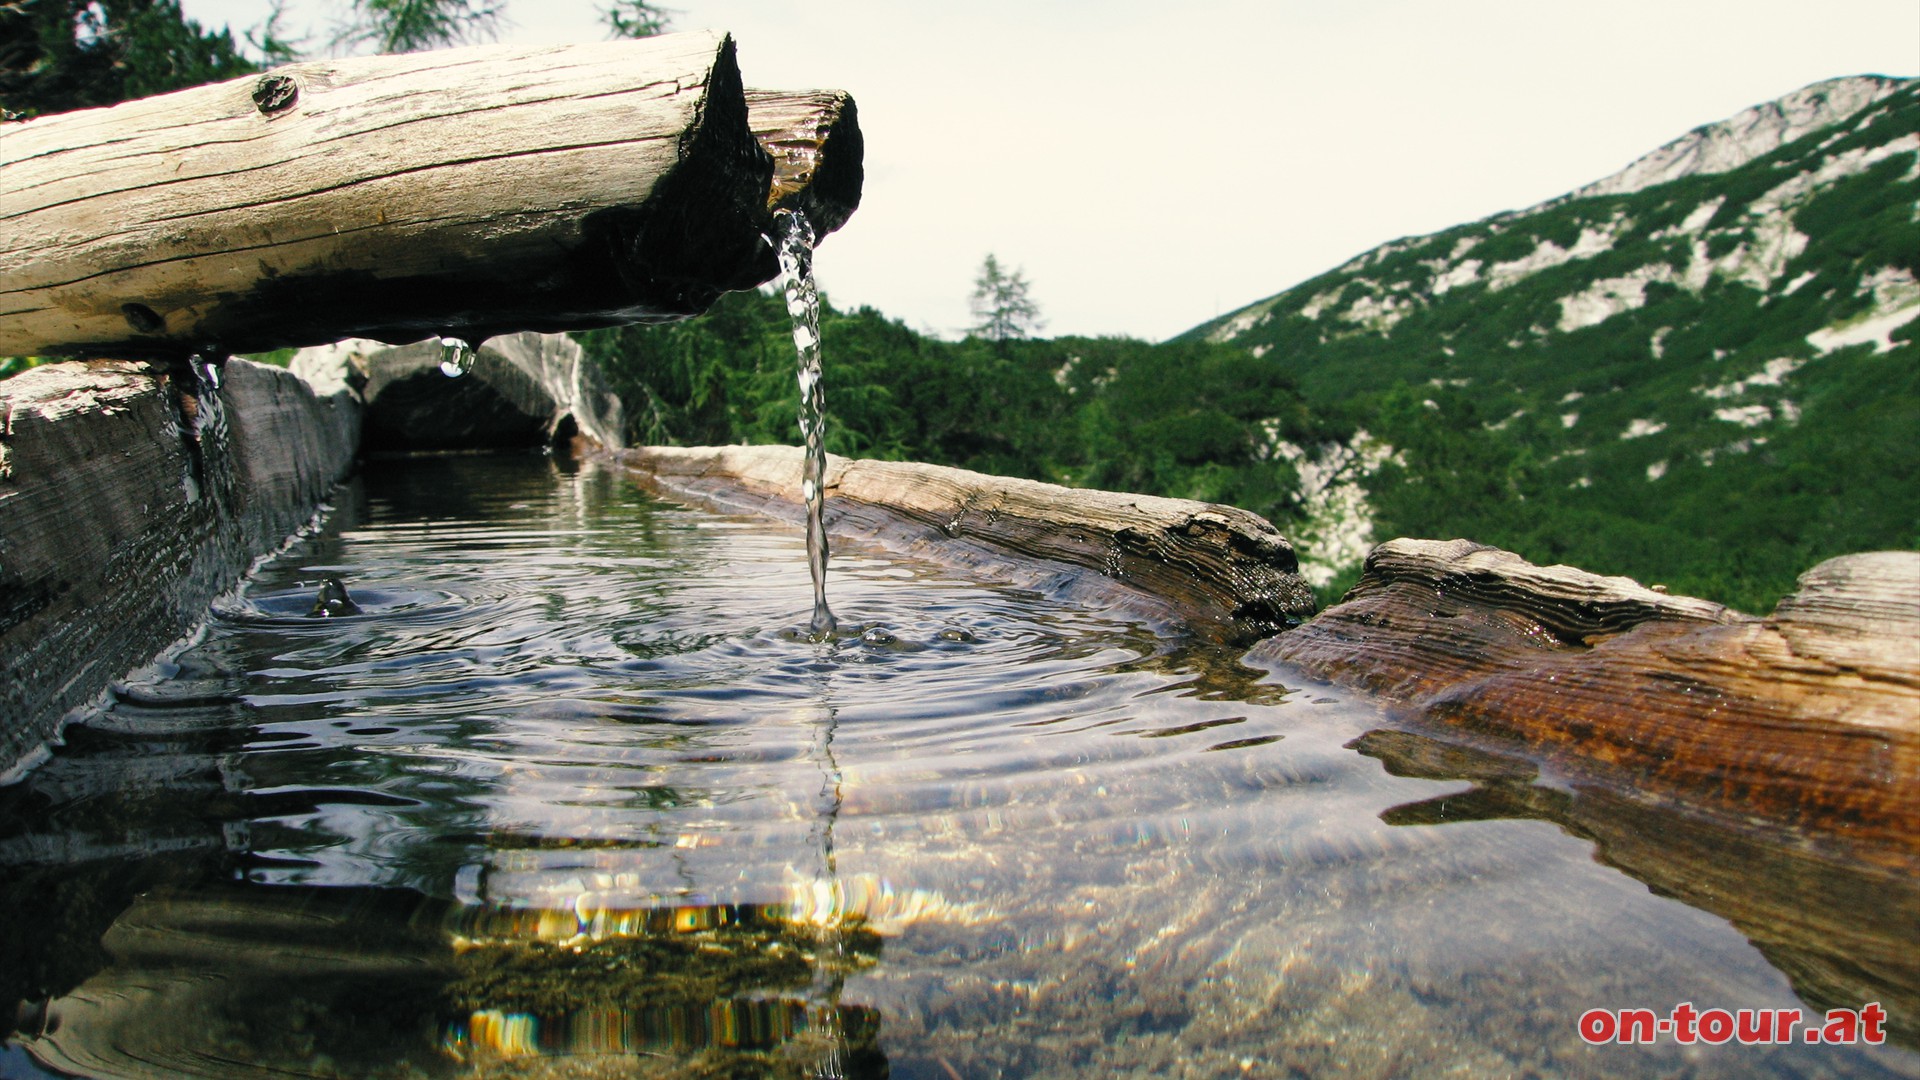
x=1709 y=149
x=1727 y=144
x=1599 y=354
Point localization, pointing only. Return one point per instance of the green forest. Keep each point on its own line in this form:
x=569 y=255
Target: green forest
x=1180 y=419
x=1197 y=419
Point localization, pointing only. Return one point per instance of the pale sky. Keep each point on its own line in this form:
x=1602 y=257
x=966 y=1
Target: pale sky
x=1151 y=165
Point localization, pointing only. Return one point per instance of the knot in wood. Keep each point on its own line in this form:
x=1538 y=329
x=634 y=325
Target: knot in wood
x=143 y=319
x=275 y=94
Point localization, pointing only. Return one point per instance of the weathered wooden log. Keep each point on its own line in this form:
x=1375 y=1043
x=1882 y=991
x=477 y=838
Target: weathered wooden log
x=1809 y=718
x=470 y=192
x=129 y=498
x=1222 y=573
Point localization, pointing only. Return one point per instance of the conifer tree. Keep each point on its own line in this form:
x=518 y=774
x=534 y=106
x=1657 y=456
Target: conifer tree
x=59 y=55
x=1002 y=308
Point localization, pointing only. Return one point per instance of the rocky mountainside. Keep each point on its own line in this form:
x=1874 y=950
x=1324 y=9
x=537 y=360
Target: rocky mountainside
x=1701 y=371
x=1731 y=143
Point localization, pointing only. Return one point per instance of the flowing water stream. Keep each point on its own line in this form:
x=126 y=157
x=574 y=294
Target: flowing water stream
x=803 y=306
x=795 y=244
x=562 y=794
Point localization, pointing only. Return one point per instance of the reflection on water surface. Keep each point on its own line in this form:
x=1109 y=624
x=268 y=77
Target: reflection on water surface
x=571 y=795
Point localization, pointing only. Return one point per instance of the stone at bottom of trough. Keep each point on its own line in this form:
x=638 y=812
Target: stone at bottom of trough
x=128 y=501
x=523 y=390
x=1218 y=572
x=1809 y=718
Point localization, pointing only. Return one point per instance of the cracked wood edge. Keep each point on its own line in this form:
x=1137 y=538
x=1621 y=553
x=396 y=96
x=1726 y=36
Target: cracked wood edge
x=127 y=503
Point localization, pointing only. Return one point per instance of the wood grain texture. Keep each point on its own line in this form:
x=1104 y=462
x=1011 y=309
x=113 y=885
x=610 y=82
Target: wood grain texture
x=128 y=501
x=1221 y=573
x=472 y=191
x=1809 y=718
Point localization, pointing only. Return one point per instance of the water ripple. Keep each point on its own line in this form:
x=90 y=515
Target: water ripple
x=579 y=725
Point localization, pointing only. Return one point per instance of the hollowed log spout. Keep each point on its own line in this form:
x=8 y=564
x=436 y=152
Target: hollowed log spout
x=471 y=192
x=818 y=153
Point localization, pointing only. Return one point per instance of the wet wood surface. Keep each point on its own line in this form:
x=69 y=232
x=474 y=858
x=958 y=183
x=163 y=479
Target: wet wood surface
x=129 y=499
x=1808 y=718
x=521 y=391
x=470 y=192
x=1223 y=573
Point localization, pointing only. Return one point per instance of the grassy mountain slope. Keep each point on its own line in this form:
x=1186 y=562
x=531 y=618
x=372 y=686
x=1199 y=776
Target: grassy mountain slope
x=1701 y=372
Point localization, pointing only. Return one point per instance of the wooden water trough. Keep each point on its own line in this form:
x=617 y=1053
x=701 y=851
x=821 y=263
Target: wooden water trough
x=481 y=192
x=1806 y=719
x=471 y=192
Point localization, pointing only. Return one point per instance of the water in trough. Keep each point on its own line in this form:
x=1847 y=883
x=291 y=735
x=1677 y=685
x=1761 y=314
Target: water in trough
x=565 y=793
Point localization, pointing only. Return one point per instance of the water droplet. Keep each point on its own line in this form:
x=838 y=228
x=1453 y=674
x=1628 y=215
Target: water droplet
x=456 y=357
